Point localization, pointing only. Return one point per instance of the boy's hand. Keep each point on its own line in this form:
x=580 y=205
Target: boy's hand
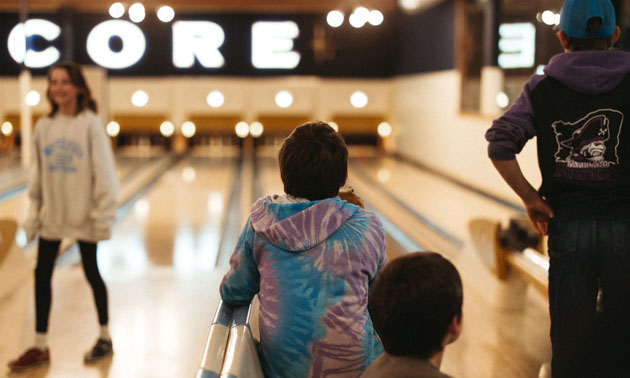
x=539 y=213
x=347 y=194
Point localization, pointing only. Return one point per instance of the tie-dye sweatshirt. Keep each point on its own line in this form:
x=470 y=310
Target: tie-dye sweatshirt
x=312 y=264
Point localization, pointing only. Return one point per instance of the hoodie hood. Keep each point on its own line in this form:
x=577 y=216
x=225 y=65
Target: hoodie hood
x=590 y=72
x=300 y=226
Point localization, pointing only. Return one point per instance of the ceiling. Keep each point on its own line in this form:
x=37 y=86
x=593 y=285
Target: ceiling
x=240 y=6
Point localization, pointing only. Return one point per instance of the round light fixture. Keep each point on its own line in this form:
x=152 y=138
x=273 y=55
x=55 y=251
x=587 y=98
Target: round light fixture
x=165 y=13
x=334 y=18
x=139 y=98
x=376 y=17
x=548 y=17
x=215 y=99
x=359 y=17
x=136 y=12
x=7 y=128
x=117 y=10
x=112 y=128
x=241 y=129
x=502 y=100
x=359 y=99
x=256 y=129
x=284 y=99
x=188 y=129
x=384 y=129
x=32 y=98
x=167 y=129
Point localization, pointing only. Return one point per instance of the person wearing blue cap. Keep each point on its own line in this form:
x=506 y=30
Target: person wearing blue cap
x=576 y=111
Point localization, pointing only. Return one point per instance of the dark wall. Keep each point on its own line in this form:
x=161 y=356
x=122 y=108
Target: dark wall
x=426 y=41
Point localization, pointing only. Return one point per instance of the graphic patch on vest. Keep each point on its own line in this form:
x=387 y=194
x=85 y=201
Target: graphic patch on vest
x=587 y=148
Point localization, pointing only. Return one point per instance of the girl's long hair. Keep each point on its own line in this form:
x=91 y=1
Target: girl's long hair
x=84 y=99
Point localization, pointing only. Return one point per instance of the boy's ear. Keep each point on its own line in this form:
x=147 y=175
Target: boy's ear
x=454 y=330
x=564 y=41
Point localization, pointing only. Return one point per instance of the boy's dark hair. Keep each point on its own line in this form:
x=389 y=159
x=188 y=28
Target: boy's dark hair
x=413 y=303
x=84 y=99
x=313 y=161
x=583 y=44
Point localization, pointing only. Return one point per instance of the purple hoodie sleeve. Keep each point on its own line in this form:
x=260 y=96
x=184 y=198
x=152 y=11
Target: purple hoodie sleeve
x=512 y=130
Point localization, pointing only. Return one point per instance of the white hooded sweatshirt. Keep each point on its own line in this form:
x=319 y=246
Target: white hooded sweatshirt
x=72 y=186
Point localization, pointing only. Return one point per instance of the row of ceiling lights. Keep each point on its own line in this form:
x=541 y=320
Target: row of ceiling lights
x=137 y=12
x=188 y=129
x=242 y=129
x=283 y=99
x=357 y=19
x=215 y=99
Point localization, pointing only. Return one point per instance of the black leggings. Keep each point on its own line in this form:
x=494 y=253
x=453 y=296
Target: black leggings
x=46 y=256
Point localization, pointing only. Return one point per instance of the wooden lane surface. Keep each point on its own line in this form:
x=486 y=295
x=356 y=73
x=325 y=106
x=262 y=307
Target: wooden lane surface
x=162 y=285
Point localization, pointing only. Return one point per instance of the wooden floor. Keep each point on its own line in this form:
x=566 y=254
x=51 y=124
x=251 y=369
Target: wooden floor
x=161 y=273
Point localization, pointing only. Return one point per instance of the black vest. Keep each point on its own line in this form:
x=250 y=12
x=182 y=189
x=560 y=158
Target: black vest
x=583 y=149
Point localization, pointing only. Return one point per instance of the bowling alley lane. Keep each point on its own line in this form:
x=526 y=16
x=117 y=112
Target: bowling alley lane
x=506 y=325
x=447 y=205
x=162 y=274
x=161 y=278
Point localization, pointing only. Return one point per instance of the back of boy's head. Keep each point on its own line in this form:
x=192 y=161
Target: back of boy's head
x=413 y=302
x=313 y=162
x=588 y=24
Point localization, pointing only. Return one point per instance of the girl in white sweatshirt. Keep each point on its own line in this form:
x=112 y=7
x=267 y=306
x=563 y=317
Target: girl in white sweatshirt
x=72 y=190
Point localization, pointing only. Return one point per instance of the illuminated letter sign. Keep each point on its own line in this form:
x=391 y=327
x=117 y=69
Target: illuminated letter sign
x=33 y=59
x=272 y=44
x=197 y=39
x=517 y=44
x=193 y=41
x=133 y=44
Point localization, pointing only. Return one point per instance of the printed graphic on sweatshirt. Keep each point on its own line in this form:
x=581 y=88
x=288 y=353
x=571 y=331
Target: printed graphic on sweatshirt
x=62 y=155
x=588 y=148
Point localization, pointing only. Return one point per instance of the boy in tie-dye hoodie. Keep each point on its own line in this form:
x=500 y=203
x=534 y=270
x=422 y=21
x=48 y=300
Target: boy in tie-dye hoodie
x=311 y=258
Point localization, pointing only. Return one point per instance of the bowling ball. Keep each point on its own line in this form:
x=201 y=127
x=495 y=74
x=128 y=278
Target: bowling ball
x=519 y=235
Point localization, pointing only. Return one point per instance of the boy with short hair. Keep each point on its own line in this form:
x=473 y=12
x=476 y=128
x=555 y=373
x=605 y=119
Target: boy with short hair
x=577 y=110
x=416 y=307
x=311 y=258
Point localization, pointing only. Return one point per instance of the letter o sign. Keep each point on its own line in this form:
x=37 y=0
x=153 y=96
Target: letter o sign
x=133 y=44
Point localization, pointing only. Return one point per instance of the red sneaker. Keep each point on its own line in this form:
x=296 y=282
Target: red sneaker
x=33 y=357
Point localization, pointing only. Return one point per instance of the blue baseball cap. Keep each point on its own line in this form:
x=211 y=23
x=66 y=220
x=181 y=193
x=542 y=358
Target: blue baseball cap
x=576 y=13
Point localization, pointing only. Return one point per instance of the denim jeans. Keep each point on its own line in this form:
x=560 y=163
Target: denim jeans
x=588 y=257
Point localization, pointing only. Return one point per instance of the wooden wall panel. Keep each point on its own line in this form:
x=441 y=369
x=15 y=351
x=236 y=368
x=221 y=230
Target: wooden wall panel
x=282 y=124
x=139 y=123
x=215 y=124
x=349 y=124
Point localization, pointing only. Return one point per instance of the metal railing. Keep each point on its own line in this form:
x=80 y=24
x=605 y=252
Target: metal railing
x=231 y=350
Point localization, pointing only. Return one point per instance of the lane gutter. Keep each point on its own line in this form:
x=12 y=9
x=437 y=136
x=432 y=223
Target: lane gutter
x=356 y=169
